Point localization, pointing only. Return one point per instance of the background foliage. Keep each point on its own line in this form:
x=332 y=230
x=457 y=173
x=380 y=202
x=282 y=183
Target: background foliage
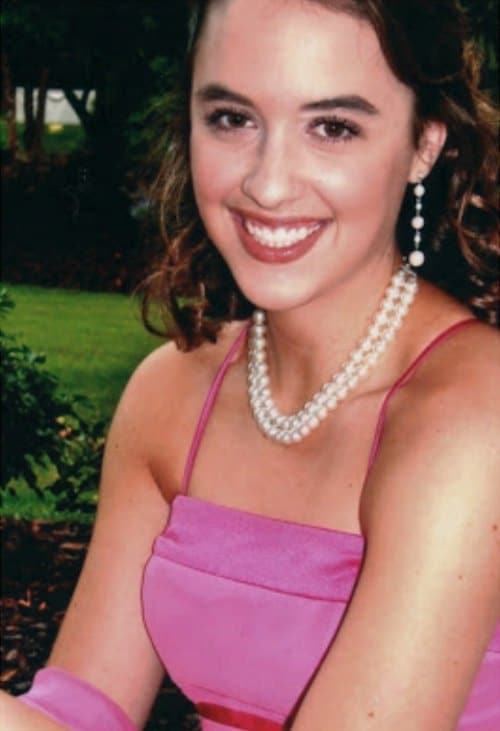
x=44 y=431
x=483 y=18
x=77 y=220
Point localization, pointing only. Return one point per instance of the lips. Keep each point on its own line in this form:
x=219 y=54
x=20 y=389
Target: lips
x=277 y=240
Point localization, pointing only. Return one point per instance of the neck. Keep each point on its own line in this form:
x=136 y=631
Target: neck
x=307 y=344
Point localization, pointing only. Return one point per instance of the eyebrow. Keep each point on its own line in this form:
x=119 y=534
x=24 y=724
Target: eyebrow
x=350 y=101
x=217 y=92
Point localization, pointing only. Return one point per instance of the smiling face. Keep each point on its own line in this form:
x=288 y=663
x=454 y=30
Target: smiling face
x=301 y=148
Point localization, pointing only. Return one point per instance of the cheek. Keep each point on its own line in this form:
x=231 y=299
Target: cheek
x=366 y=186
x=349 y=188
x=200 y=170
x=214 y=171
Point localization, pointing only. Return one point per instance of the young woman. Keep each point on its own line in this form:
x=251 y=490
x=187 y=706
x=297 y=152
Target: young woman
x=326 y=535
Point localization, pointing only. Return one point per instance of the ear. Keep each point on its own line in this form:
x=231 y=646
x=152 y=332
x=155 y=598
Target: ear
x=430 y=145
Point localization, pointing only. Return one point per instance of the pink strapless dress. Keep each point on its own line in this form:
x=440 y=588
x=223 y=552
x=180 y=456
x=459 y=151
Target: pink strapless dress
x=242 y=608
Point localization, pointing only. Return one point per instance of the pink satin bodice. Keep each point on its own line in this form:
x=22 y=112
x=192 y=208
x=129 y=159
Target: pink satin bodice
x=242 y=608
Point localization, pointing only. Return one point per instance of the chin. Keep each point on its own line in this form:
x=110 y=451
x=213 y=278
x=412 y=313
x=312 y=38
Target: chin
x=274 y=299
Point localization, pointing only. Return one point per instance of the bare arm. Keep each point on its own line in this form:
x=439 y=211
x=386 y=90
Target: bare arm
x=428 y=598
x=15 y=716
x=103 y=640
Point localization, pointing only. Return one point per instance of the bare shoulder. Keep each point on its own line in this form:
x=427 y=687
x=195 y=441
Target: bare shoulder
x=458 y=382
x=440 y=451
x=167 y=375
x=457 y=385
x=159 y=409
x=167 y=362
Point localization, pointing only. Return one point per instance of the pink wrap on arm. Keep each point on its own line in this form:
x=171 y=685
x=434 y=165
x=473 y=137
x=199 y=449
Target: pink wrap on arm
x=75 y=704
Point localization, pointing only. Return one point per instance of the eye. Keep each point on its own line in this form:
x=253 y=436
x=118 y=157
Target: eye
x=334 y=129
x=228 y=120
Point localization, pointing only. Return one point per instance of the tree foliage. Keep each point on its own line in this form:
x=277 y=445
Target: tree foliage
x=483 y=19
x=82 y=212
x=119 y=48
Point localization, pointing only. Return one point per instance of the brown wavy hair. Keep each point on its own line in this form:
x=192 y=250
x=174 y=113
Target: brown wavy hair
x=426 y=43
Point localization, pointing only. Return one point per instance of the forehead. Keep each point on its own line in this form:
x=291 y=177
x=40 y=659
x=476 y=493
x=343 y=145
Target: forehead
x=295 y=47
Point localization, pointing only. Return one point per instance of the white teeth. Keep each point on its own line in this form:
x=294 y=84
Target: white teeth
x=280 y=237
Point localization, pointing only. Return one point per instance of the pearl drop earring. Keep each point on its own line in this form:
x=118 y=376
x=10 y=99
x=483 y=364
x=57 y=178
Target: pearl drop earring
x=417 y=257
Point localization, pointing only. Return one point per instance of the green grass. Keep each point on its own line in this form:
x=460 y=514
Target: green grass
x=64 y=141
x=92 y=341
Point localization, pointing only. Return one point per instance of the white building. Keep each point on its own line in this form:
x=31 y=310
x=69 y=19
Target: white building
x=57 y=108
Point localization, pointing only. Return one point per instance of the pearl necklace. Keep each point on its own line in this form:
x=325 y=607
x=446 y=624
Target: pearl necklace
x=293 y=428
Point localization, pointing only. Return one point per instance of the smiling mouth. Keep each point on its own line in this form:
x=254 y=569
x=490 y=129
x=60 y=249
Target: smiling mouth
x=278 y=241
x=279 y=237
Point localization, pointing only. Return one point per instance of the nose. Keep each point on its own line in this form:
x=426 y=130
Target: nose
x=273 y=177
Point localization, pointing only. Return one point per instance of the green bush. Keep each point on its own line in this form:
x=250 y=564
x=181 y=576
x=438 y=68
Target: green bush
x=44 y=434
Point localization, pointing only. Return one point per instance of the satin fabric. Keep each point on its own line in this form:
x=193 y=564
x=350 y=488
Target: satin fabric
x=241 y=609
x=75 y=704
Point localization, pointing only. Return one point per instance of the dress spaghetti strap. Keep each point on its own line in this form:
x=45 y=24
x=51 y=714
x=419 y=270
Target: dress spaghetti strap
x=217 y=382
x=403 y=380
x=207 y=408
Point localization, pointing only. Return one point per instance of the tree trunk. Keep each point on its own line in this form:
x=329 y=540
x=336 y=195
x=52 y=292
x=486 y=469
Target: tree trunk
x=37 y=149
x=9 y=105
x=80 y=107
x=29 y=119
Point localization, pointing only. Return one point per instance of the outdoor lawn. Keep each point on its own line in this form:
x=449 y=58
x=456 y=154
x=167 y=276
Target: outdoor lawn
x=93 y=341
